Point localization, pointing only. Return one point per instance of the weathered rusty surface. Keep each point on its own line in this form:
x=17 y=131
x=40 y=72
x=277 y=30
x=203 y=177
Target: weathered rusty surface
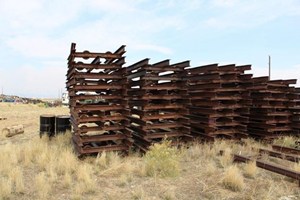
x=158 y=99
x=220 y=101
x=98 y=106
x=270 y=167
x=271 y=110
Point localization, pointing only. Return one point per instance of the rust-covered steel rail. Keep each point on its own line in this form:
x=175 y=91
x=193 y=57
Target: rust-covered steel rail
x=286 y=149
x=276 y=154
x=270 y=167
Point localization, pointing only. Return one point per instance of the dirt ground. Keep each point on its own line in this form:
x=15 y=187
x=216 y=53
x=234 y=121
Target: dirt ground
x=34 y=168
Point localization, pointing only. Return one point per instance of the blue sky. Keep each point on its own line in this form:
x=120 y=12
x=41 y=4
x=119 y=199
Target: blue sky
x=35 y=36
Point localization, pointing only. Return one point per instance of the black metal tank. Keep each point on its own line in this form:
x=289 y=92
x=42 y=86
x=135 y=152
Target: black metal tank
x=47 y=125
x=62 y=123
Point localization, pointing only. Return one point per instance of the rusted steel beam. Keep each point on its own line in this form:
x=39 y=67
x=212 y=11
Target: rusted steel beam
x=161 y=106
x=162 y=125
x=137 y=65
x=87 y=54
x=162 y=63
x=98 y=107
x=162 y=69
x=99 y=128
x=202 y=69
x=95 y=66
x=270 y=167
x=174 y=115
x=96 y=76
x=181 y=65
x=288 y=157
x=243 y=68
x=164 y=134
x=286 y=149
x=96 y=97
x=98 y=138
x=158 y=78
x=96 y=87
x=100 y=118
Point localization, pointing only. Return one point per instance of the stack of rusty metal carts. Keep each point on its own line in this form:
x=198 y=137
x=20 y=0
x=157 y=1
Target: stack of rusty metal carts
x=220 y=100
x=271 y=114
x=97 y=87
x=158 y=100
x=296 y=112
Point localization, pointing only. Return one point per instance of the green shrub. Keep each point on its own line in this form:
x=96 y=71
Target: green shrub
x=162 y=160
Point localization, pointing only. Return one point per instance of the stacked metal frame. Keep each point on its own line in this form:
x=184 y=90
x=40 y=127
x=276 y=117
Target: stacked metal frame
x=220 y=100
x=97 y=86
x=158 y=100
x=270 y=113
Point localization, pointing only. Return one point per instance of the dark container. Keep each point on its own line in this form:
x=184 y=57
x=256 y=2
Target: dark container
x=62 y=123
x=47 y=125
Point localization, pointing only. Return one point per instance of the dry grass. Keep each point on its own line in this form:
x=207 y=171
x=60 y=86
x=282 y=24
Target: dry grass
x=42 y=169
x=288 y=141
x=16 y=176
x=226 y=158
x=5 y=188
x=42 y=186
x=250 y=169
x=233 y=179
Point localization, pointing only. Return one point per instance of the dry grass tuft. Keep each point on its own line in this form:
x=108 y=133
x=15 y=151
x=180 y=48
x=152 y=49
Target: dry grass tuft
x=288 y=141
x=162 y=160
x=5 y=188
x=84 y=175
x=124 y=180
x=67 y=180
x=138 y=194
x=169 y=195
x=42 y=186
x=233 y=179
x=67 y=162
x=250 y=169
x=16 y=176
x=296 y=167
x=226 y=158
x=101 y=160
x=112 y=164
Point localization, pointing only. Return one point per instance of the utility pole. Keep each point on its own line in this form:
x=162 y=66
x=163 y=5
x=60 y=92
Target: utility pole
x=269 y=67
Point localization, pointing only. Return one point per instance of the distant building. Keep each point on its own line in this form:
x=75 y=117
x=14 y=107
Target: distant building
x=65 y=98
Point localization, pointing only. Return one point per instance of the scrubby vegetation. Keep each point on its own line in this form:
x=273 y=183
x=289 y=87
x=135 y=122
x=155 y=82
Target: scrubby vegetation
x=34 y=168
